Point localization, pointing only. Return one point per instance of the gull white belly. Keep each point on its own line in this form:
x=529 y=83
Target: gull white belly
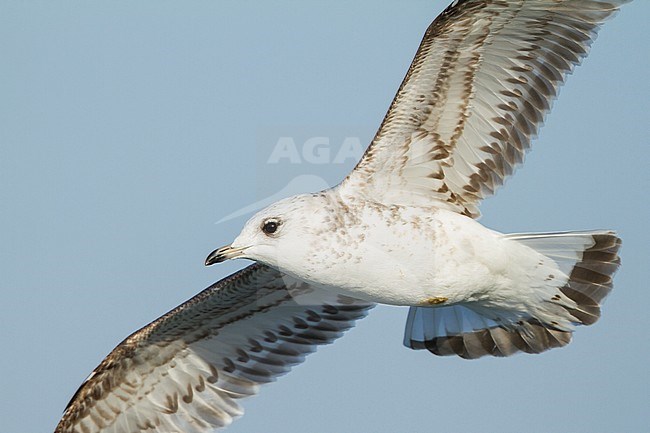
x=413 y=256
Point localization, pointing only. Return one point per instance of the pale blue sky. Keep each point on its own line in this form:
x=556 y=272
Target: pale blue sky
x=128 y=128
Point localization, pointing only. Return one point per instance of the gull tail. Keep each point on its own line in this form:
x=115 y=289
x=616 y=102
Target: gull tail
x=583 y=266
x=590 y=260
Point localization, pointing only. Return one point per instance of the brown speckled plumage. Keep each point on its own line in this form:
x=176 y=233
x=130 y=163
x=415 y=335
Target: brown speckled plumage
x=476 y=94
x=246 y=330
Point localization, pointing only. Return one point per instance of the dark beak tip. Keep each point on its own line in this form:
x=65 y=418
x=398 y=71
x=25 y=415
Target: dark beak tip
x=214 y=257
x=222 y=254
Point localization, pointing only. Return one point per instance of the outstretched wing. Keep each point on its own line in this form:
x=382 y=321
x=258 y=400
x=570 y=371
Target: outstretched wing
x=185 y=371
x=477 y=92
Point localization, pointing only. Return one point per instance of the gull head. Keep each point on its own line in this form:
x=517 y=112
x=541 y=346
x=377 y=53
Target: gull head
x=280 y=235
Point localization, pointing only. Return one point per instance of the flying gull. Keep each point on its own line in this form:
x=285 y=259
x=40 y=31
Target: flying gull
x=400 y=229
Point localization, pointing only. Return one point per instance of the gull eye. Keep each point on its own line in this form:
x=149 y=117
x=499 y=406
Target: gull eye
x=270 y=226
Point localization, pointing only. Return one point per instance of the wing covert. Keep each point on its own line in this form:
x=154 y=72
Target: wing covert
x=186 y=370
x=476 y=94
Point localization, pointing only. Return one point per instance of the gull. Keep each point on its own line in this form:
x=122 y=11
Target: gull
x=400 y=229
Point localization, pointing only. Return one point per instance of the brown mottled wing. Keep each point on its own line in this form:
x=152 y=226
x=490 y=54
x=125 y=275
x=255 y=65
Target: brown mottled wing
x=477 y=92
x=185 y=371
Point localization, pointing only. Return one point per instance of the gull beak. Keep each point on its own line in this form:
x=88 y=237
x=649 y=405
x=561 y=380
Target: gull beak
x=224 y=253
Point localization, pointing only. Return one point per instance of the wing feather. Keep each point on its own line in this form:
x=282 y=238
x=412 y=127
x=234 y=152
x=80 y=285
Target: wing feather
x=186 y=370
x=476 y=94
